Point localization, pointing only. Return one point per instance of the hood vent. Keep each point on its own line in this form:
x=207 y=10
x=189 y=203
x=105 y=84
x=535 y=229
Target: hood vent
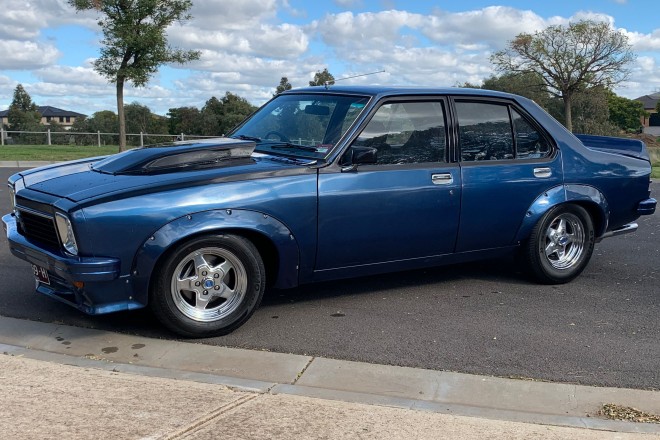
x=177 y=156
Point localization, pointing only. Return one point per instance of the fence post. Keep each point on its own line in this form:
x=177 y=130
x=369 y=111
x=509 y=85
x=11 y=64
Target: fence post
x=49 y=143
x=183 y=138
x=2 y=136
x=141 y=139
x=98 y=137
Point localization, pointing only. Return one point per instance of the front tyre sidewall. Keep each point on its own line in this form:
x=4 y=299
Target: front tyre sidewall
x=554 y=269
x=163 y=296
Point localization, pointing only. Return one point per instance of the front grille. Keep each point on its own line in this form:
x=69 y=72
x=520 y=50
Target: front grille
x=39 y=228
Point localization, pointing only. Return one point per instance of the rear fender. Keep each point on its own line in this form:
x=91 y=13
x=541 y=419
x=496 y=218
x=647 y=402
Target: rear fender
x=216 y=221
x=584 y=195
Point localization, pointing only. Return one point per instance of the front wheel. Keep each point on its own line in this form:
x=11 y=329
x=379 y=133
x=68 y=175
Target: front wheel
x=560 y=245
x=208 y=286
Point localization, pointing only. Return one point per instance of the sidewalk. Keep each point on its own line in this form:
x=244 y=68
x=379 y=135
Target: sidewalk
x=65 y=382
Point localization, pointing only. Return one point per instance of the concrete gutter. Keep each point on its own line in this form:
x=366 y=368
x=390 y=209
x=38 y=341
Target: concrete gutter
x=294 y=375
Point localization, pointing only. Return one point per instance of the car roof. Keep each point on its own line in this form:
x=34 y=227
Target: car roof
x=375 y=90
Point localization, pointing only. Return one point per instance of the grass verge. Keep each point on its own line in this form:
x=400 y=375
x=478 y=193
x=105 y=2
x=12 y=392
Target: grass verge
x=54 y=153
x=655 y=162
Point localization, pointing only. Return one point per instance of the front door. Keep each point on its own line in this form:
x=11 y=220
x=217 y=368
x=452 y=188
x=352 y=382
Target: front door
x=405 y=208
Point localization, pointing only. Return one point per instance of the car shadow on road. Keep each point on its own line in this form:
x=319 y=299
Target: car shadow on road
x=143 y=323
x=500 y=270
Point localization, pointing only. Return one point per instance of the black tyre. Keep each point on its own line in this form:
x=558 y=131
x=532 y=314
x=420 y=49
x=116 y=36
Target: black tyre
x=208 y=286
x=560 y=245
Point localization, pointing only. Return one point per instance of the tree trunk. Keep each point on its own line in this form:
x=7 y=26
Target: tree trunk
x=568 y=116
x=120 y=113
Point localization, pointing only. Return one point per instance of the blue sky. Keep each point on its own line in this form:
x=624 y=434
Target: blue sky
x=248 y=45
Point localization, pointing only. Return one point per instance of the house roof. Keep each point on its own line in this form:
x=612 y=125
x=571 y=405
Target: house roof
x=649 y=101
x=47 y=110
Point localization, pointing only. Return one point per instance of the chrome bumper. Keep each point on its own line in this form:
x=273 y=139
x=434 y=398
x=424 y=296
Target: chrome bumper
x=625 y=229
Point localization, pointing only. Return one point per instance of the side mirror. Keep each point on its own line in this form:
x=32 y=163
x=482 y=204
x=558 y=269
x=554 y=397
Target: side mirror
x=356 y=156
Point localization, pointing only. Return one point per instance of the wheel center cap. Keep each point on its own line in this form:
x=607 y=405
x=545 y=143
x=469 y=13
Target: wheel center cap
x=563 y=240
x=208 y=283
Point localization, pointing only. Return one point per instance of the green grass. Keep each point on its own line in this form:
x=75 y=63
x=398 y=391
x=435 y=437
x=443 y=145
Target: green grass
x=53 y=153
x=655 y=161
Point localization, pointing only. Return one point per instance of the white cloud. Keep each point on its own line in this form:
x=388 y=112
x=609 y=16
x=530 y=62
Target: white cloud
x=232 y=14
x=283 y=41
x=645 y=42
x=23 y=19
x=80 y=75
x=26 y=55
x=492 y=26
x=369 y=29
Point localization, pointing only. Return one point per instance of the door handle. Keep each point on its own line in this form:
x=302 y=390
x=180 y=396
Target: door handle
x=442 y=179
x=542 y=172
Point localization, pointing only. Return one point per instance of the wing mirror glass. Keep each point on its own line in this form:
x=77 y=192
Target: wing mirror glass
x=356 y=156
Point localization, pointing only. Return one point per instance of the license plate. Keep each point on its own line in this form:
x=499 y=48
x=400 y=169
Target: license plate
x=40 y=274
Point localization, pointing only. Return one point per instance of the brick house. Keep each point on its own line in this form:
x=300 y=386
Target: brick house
x=49 y=114
x=650 y=102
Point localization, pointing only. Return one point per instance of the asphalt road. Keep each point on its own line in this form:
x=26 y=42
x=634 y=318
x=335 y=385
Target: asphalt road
x=485 y=318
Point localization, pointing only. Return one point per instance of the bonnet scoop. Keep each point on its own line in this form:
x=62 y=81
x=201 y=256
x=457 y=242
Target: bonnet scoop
x=176 y=156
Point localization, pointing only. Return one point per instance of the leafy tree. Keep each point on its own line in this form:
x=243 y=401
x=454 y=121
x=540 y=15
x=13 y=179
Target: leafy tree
x=139 y=119
x=569 y=58
x=184 y=120
x=322 y=78
x=657 y=107
x=591 y=112
x=529 y=85
x=220 y=116
x=283 y=86
x=23 y=114
x=104 y=121
x=625 y=113
x=135 y=42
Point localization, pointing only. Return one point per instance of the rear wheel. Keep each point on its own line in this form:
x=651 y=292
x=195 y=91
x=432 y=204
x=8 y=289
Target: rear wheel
x=560 y=245
x=208 y=286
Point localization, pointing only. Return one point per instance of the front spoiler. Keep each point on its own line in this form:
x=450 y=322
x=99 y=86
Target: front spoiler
x=104 y=290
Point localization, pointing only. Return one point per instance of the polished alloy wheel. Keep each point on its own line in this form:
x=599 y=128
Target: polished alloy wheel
x=209 y=284
x=564 y=241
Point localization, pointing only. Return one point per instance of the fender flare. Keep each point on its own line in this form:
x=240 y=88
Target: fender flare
x=215 y=221
x=584 y=195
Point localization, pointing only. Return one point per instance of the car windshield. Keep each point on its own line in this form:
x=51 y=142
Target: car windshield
x=308 y=125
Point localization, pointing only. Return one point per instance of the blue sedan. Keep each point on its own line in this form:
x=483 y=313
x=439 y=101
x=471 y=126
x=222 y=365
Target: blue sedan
x=320 y=184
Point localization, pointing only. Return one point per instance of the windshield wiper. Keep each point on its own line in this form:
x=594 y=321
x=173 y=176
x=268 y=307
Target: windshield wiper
x=246 y=138
x=281 y=145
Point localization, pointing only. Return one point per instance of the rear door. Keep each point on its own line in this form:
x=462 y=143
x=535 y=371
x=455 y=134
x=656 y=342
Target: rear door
x=507 y=161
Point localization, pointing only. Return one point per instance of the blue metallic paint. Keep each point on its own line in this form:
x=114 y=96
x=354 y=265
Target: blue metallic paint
x=321 y=220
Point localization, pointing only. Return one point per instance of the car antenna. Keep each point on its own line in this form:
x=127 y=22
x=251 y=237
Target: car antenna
x=327 y=84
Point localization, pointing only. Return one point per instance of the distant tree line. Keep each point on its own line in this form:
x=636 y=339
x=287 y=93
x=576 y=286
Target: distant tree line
x=595 y=110
x=570 y=72
x=215 y=118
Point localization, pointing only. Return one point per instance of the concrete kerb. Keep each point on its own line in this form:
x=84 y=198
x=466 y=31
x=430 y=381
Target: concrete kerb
x=276 y=373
